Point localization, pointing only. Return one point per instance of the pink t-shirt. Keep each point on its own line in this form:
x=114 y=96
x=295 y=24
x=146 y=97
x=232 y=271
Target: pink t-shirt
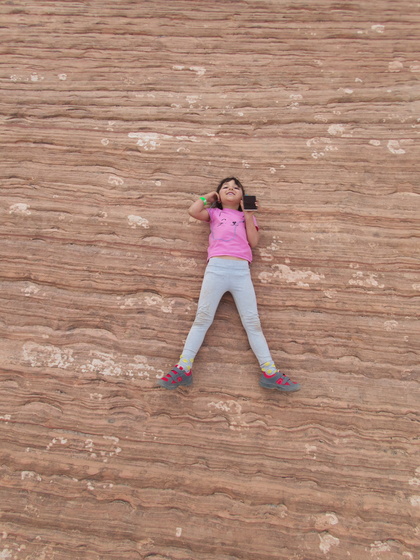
x=228 y=234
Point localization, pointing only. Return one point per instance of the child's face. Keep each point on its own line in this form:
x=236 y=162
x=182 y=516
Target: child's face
x=230 y=195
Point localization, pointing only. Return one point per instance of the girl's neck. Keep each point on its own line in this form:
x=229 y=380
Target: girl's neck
x=230 y=207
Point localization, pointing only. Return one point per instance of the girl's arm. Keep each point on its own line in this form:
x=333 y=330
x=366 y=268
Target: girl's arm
x=197 y=209
x=252 y=233
x=251 y=230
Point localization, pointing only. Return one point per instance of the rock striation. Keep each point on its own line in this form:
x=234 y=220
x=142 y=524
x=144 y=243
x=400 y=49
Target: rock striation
x=115 y=116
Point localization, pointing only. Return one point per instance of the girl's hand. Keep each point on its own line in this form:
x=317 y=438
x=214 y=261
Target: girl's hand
x=211 y=197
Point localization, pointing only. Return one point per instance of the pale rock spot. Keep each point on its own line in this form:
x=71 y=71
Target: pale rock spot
x=267 y=252
x=395 y=148
x=325 y=520
x=284 y=273
x=370 y=281
x=20 y=209
x=148 y=140
x=114 y=439
x=199 y=70
x=36 y=77
x=414 y=501
x=379 y=28
x=330 y=294
x=107 y=365
x=187 y=138
x=54 y=441
x=129 y=302
x=30 y=475
x=379 y=547
x=31 y=290
x=51 y=356
x=327 y=541
x=184 y=263
x=336 y=129
x=192 y=99
x=395 y=66
x=136 y=221
x=165 y=305
x=233 y=412
x=322 y=145
x=115 y=180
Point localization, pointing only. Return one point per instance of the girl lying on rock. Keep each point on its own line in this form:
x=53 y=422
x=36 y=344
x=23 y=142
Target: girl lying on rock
x=233 y=234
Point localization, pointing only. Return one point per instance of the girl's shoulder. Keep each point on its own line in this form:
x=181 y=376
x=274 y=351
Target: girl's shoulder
x=214 y=211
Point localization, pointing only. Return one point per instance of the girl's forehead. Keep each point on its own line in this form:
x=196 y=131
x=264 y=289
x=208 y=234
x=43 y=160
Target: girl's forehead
x=230 y=184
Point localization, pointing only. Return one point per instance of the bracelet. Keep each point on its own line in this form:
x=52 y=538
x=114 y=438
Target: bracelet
x=204 y=199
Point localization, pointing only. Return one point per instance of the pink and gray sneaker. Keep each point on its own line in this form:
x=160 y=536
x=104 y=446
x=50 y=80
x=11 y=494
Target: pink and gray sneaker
x=177 y=377
x=278 y=381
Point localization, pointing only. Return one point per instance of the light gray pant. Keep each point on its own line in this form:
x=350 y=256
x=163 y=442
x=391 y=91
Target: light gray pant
x=221 y=276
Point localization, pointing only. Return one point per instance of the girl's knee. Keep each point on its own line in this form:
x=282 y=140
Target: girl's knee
x=203 y=318
x=252 y=323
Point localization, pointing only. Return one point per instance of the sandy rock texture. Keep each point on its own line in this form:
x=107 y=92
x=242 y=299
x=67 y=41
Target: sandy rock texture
x=114 y=117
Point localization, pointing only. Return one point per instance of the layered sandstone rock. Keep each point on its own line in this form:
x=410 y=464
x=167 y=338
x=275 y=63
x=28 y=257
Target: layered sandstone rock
x=115 y=116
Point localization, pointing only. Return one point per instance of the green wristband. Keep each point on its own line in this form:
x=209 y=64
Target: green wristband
x=204 y=199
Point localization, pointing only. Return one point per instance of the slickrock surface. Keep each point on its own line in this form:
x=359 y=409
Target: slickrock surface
x=114 y=117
